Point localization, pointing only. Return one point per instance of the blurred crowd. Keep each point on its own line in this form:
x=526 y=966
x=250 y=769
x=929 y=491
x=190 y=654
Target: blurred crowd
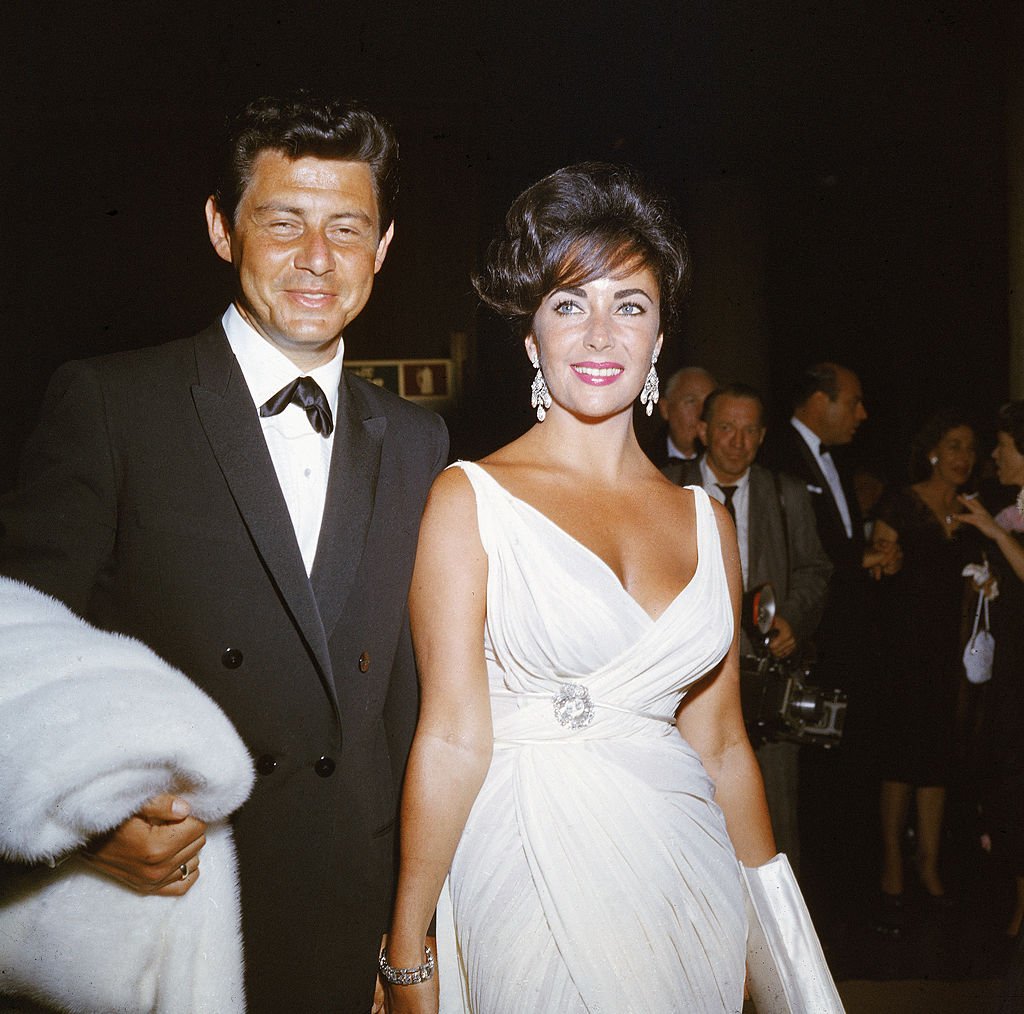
x=880 y=586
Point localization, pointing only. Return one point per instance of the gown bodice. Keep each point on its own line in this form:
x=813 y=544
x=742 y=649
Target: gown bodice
x=562 y=628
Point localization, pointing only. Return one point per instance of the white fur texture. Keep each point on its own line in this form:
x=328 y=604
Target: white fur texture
x=91 y=726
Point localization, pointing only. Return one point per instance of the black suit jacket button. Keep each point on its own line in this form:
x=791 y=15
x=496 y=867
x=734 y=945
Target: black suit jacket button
x=266 y=764
x=324 y=767
x=364 y=661
x=232 y=658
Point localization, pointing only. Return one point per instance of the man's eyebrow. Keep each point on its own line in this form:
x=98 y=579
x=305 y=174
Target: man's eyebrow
x=288 y=209
x=285 y=209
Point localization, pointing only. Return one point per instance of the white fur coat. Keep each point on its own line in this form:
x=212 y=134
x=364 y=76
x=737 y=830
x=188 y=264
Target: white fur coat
x=91 y=726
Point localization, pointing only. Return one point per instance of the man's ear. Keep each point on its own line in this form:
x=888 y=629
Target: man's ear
x=820 y=401
x=702 y=432
x=219 y=229
x=382 y=248
x=663 y=409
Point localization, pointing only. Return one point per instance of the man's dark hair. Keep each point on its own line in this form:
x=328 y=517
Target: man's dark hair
x=578 y=224
x=819 y=377
x=299 y=125
x=733 y=390
x=1011 y=421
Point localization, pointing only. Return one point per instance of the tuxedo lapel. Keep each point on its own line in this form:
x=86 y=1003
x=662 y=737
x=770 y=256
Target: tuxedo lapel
x=228 y=417
x=812 y=464
x=814 y=469
x=351 y=495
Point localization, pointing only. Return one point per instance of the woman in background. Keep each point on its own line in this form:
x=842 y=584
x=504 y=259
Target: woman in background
x=922 y=617
x=1002 y=736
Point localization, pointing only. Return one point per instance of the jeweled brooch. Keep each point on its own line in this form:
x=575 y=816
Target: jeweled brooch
x=573 y=707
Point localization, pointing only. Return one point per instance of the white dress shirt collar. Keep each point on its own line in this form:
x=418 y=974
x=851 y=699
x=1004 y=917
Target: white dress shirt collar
x=267 y=370
x=675 y=452
x=709 y=480
x=811 y=438
x=740 y=506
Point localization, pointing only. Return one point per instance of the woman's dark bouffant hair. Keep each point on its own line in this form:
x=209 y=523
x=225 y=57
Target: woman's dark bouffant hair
x=581 y=223
x=1011 y=421
x=927 y=439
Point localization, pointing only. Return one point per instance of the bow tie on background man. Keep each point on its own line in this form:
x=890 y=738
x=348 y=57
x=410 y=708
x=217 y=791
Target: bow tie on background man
x=307 y=394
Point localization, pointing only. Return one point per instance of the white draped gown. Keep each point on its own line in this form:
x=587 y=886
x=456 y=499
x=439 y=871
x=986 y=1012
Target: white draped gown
x=595 y=872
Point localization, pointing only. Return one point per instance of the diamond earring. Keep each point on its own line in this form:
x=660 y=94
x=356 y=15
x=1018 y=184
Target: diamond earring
x=540 y=396
x=650 y=393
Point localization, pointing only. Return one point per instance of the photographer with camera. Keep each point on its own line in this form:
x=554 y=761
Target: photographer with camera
x=778 y=543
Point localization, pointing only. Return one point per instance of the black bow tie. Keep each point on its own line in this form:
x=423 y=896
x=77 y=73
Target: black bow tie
x=306 y=393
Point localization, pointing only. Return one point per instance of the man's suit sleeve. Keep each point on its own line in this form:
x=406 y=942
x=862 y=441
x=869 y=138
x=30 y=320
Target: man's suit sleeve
x=809 y=566
x=402 y=703
x=57 y=527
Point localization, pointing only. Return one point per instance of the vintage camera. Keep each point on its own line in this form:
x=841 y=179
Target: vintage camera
x=778 y=701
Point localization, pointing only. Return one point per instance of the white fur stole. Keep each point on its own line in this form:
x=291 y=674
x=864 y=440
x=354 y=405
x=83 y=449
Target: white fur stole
x=92 y=725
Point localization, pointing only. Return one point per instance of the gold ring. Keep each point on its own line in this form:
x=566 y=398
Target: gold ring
x=184 y=871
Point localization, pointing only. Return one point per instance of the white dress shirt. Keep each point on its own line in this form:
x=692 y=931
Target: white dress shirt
x=674 y=454
x=301 y=456
x=828 y=469
x=740 y=506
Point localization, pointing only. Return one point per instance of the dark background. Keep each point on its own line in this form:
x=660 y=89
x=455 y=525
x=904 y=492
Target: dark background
x=840 y=168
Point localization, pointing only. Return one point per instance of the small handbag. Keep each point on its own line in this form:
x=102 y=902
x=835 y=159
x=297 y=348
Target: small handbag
x=980 y=648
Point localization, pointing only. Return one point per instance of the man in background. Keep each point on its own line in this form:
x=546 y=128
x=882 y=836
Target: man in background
x=778 y=543
x=839 y=818
x=680 y=406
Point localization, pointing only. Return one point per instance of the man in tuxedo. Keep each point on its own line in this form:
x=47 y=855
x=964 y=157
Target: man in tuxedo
x=838 y=818
x=778 y=543
x=249 y=511
x=680 y=407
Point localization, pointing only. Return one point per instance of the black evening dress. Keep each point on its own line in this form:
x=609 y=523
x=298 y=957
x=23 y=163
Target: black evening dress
x=922 y=611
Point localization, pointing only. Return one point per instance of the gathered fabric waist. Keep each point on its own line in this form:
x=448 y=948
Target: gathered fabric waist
x=572 y=710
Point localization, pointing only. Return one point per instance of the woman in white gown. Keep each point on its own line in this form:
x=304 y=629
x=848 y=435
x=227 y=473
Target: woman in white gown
x=580 y=765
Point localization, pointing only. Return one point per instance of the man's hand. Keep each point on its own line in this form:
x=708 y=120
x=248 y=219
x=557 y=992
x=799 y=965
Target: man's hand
x=883 y=556
x=783 y=640
x=156 y=851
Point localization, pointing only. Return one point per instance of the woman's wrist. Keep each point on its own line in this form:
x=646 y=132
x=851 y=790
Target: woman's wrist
x=405 y=946
x=399 y=973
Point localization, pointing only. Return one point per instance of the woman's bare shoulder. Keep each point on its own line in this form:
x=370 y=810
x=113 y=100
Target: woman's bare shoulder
x=451 y=497
x=679 y=499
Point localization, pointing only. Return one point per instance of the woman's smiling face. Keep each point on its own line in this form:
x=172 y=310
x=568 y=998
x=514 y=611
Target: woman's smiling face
x=596 y=342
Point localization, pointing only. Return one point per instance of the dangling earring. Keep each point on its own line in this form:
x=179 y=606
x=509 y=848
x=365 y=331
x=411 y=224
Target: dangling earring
x=540 y=396
x=650 y=393
x=933 y=460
